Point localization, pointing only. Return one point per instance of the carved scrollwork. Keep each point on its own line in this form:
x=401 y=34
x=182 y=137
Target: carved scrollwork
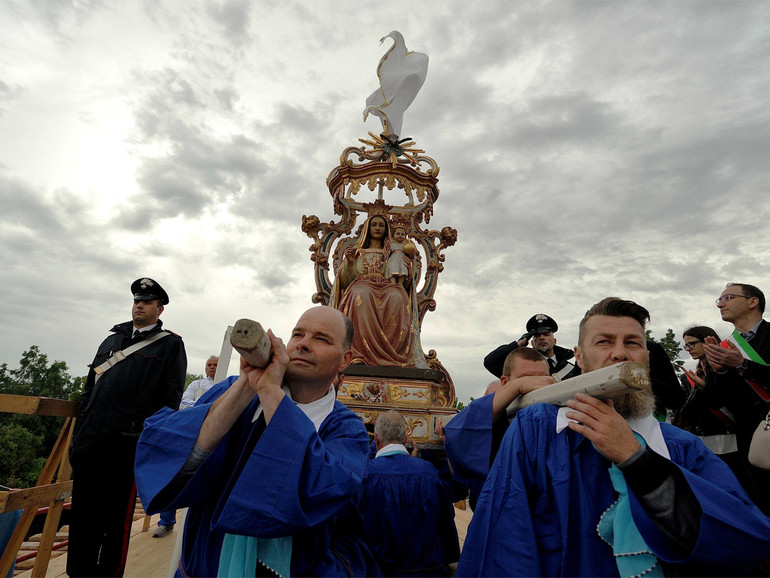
x=411 y=425
x=445 y=393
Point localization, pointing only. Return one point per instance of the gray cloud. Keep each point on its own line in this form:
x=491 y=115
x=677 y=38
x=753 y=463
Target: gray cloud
x=234 y=16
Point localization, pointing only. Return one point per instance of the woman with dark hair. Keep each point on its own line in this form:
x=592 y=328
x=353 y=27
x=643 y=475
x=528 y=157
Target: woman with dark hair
x=714 y=426
x=694 y=338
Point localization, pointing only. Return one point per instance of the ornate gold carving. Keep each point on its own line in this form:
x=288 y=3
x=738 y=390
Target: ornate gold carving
x=352 y=388
x=445 y=392
x=394 y=391
x=411 y=424
x=378 y=207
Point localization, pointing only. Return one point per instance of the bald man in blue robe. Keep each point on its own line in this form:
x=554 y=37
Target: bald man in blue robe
x=269 y=464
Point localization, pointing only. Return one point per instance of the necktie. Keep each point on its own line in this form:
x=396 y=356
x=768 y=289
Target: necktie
x=552 y=364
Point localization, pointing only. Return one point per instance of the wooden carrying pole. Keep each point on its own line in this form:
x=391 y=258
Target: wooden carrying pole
x=46 y=491
x=603 y=383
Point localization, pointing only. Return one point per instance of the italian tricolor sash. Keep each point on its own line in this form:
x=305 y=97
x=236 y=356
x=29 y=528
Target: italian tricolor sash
x=749 y=353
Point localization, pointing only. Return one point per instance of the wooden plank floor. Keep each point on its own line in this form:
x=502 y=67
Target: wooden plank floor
x=149 y=557
x=462 y=519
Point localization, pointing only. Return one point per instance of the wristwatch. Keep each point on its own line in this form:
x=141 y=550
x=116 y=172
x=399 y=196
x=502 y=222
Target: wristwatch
x=743 y=366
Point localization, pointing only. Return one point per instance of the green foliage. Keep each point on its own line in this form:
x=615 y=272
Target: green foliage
x=26 y=440
x=190 y=377
x=21 y=449
x=460 y=405
x=671 y=345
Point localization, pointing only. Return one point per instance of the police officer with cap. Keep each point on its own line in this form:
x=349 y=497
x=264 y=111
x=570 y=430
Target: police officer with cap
x=139 y=368
x=540 y=329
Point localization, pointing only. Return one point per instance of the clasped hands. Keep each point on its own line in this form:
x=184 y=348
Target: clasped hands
x=271 y=377
x=720 y=358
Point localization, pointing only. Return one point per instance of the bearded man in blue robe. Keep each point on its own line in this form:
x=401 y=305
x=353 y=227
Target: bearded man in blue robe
x=600 y=488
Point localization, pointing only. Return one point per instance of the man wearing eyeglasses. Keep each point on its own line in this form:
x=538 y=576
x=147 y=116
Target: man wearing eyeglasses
x=741 y=377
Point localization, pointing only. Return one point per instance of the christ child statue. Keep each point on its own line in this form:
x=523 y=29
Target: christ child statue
x=400 y=260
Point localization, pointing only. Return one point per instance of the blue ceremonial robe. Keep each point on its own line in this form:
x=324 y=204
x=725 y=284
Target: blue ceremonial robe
x=409 y=517
x=472 y=441
x=285 y=479
x=541 y=503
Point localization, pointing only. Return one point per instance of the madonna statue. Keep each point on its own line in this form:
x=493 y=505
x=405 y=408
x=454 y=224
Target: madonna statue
x=383 y=313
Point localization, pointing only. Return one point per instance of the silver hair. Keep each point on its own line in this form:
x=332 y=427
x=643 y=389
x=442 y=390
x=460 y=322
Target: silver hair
x=390 y=427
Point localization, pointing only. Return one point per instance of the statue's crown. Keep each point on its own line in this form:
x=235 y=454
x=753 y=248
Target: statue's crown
x=378 y=207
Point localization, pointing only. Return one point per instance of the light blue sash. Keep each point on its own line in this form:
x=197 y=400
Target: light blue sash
x=240 y=555
x=617 y=528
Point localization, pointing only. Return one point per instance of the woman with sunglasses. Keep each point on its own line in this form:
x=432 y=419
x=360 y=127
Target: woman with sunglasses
x=714 y=426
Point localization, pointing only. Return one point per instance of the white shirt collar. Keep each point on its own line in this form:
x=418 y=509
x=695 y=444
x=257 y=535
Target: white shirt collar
x=647 y=427
x=392 y=449
x=143 y=329
x=316 y=411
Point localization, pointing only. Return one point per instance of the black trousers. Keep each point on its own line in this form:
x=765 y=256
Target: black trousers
x=103 y=500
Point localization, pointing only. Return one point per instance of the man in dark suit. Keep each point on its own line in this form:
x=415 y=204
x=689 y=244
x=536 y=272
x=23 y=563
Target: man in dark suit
x=741 y=377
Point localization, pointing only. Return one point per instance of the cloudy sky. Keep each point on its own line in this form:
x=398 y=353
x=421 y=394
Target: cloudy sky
x=586 y=149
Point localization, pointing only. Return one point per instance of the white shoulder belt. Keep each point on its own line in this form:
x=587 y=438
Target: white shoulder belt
x=120 y=355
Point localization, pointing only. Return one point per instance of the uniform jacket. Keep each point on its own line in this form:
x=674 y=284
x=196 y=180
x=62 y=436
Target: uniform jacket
x=129 y=392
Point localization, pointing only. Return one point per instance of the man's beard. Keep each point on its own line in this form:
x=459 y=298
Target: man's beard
x=542 y=349
x=634 y=405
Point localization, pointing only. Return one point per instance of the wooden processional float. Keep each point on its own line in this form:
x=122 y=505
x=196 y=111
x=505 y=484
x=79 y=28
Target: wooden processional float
x=386 y=183
x=379 y=264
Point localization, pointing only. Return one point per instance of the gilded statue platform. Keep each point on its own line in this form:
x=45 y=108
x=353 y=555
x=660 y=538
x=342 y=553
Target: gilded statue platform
x=417 y=394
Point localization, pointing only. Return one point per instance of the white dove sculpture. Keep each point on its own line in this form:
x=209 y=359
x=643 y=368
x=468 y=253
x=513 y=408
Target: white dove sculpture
x=402 y=74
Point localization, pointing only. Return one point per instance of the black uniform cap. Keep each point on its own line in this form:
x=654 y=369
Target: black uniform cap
x=146 y=289
x=542 y=323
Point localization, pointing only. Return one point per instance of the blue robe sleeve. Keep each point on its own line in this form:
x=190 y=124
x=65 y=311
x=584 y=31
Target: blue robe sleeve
x=166 y=442
x=734 y=534
x=501 y=539
x=469 y=440
x=292 y=480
